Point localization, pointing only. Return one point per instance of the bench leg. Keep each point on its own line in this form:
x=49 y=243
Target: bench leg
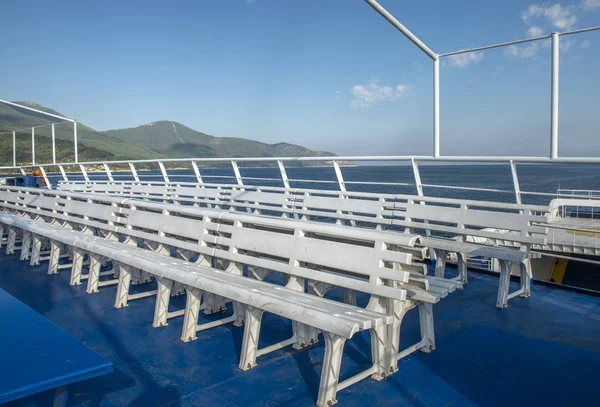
x=190 y=317
x=1 y=235
x=526 y=278
x=123 y=286
x=178 y=289
x=76 y=268
x=253 y=317
x=427 y=328
x=349 y=296
x=163 y=296
x=36 y=248
x=238 y=310
x=440 y=263
x=94 y=274
x=54 y=256
x=60 y=397
x=330 y=372
x=462 y=268
x=26 y=245
x=503 y=284
x=304 y=335
x=384 y=360
x=213 y=304
x=11 y=240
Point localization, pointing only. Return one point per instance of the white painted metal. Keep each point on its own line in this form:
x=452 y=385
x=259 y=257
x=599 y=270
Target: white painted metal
x=554 y=95
x=14 y=142
x=163 y=171
x=53 y=144
x=134 y=172
x=436 y=107
x=197 y=172
x=108 y=173
x=63 y=173
x=236 y=171
x=45 y=177
x=75 y=142
x=515 y=178
x=338 y=175
x=84 y=172
x=284 y=177
x=33 y=145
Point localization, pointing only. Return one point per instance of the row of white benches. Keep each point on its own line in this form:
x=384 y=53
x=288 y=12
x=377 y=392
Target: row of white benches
x=212 y=247
x=512 y=226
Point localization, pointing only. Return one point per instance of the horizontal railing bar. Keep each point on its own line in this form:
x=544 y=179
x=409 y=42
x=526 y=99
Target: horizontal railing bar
x=262 y=179
x=583 y=30
x=503 y=44
x=317 y=181
x=468 y=188
x=36 y=110
x=557 y=195
x=403 y=184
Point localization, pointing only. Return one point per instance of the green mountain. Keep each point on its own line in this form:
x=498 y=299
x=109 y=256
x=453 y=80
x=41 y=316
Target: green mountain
x=162 y=139
x=172 y=139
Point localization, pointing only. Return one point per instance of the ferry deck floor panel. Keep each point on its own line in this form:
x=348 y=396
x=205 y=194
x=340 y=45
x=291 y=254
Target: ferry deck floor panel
x=541 y=351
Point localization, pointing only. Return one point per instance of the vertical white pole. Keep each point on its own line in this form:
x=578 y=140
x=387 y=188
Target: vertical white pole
x=33 y=145
x=108 y=173
x=163 y=171
x=197 y=172
x=84 y=173
x=554 y=103
x=75 y=141
x=236 y=172
x=513 y=170
x=338 y=174
x=284 y=177
x=134 y=172
x=419 y=185
x=436 y=107
x=53 y=145
x=14 y=148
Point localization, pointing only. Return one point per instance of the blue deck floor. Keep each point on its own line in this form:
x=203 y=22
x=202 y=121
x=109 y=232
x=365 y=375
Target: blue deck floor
x=540 y=351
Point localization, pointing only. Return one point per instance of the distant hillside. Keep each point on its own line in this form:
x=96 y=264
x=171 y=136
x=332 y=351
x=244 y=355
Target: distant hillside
x=162 y=139
x=173 y=139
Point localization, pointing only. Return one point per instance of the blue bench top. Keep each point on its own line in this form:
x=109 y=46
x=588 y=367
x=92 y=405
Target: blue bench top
x=36 y=355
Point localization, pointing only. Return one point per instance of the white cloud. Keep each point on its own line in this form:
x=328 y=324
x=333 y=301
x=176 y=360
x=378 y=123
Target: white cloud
x=366 y=95
x=462 y=60
x=559 y=16
x=585 y=44
x=590 y=5
x=535 y=31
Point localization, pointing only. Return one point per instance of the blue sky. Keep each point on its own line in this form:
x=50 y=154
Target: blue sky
x=330 y=75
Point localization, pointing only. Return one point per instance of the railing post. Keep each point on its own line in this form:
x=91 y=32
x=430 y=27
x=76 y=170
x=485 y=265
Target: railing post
x=554 y=101
x=33 y=145
x=14 y=148
x=134 y=172
x=236 y=171
x=419 y=185
x=197 y=172
x=45 y=177
x=436 y=107
x=108 y=173
x=338 y=174
x=515 y=178
x=163 y=171
x=284 y=177
x=63 y=173
x=53 y=144
x=75 y=141
x=84 y=172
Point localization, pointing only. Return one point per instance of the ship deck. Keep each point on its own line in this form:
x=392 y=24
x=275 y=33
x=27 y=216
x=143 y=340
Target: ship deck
x=540 y=351
x=586 y=237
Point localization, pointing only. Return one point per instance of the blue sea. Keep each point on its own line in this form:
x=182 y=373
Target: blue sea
x=545 y=178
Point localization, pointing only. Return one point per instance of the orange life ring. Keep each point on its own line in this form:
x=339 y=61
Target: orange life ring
x=38 y=173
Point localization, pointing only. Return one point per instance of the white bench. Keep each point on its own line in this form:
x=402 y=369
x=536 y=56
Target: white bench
x=324 y=255
x=451 y=225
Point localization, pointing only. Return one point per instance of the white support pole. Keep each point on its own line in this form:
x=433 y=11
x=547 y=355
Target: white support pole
x=45 y=177
x=513 y=170
x=338 y=174
x=108 y=173
x=53 y=144
x=75 y=141
x=436 y=107
x=284 y=177
x=236 y=171
x=134 y=172
x=554 y=106
x=417 y=175
x=163 y=171
x=84 y=172
x=14 y=148
x=33 y=145
x=63 y=173
x=197 y=172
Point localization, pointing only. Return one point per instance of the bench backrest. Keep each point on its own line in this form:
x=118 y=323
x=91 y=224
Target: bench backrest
x=512 y=224
x=364 y=260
